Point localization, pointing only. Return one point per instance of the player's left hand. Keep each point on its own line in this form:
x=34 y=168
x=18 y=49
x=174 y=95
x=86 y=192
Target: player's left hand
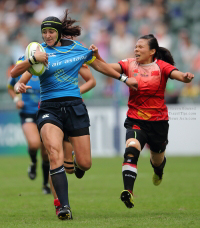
x=94 y=49
x=22 y=88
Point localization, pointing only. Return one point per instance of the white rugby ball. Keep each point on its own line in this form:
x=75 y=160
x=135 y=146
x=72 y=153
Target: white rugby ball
x=38 y=68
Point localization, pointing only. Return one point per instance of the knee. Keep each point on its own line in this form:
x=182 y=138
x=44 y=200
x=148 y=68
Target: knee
x=158 y=162
x=34 y=144
x=85 y=164
x=157 y=158
x=133 y=143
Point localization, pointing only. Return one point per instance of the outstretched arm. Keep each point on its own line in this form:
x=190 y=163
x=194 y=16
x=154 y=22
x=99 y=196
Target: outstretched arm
x=104 y=68
x=183 y=77
x=88 y=77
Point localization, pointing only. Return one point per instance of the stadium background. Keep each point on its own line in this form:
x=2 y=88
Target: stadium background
x=113 y=26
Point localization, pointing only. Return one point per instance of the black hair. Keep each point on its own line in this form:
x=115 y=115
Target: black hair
x=161 y=52
x=68 y=29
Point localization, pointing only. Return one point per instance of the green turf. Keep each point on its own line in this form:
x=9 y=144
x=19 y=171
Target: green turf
x=95 y=198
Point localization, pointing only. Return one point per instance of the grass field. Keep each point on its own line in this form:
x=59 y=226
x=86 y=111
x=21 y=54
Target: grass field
x=95 y=198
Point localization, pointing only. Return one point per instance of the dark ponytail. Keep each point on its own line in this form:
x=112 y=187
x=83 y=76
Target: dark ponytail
x=165 y=55
x=68 y=29
x=161 y=52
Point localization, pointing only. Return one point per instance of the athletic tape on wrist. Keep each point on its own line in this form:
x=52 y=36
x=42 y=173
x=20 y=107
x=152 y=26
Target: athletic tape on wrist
x=123 y=78
x=32 y=60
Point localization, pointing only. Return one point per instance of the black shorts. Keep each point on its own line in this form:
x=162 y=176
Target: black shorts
x=70 y=116
x=66 y=138
x=154 y=133
x=27 y=118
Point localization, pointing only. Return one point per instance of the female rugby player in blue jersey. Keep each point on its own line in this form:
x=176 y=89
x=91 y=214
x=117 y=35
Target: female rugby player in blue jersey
x=28 y=106
x=62 y=109
x=90 y=83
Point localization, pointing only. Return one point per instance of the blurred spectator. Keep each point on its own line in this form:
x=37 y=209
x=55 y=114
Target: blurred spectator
x=122 y=10
x=157 y=11
x=145 y=29
x=162 y=35
x=188 y=50
x=4 y=34
x=106 y=5
x=10 y=17
x=190 y=91
x=108 y=90
x=171 y=93
x=102 y=42
x=18 y=47
x=196 y=63
x=50 y=7
x=122 y=43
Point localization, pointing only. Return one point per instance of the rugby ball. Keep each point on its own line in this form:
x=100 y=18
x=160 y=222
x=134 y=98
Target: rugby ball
x=38 y=68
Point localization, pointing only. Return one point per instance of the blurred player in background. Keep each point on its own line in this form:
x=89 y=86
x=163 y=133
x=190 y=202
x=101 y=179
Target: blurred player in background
x=62 y=110
x=147 y=116
x=28 y=106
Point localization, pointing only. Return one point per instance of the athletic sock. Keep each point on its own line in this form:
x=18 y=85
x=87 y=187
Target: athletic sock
x=129 y=167
x=45 y=169
x=159 y=169
x=60 y=184
x=57 y=202
x=33 y=155
x=129 y=173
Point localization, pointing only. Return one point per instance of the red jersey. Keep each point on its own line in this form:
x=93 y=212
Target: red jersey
x=147 y=103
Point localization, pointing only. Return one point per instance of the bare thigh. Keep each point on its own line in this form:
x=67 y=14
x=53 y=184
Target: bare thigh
x=32 y=135
x=52 y=137
x=82 y=150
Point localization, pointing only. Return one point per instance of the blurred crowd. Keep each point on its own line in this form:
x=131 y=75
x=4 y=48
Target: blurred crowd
x=113 y=26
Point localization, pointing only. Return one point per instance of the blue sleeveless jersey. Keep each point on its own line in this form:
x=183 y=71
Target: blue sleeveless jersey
x=32 y=96
x=61 y=76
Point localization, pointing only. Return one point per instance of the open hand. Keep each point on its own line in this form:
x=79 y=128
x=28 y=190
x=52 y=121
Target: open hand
x=22 y=88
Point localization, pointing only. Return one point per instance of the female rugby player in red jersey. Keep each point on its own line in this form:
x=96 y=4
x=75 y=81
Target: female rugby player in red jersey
x=147 y=116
